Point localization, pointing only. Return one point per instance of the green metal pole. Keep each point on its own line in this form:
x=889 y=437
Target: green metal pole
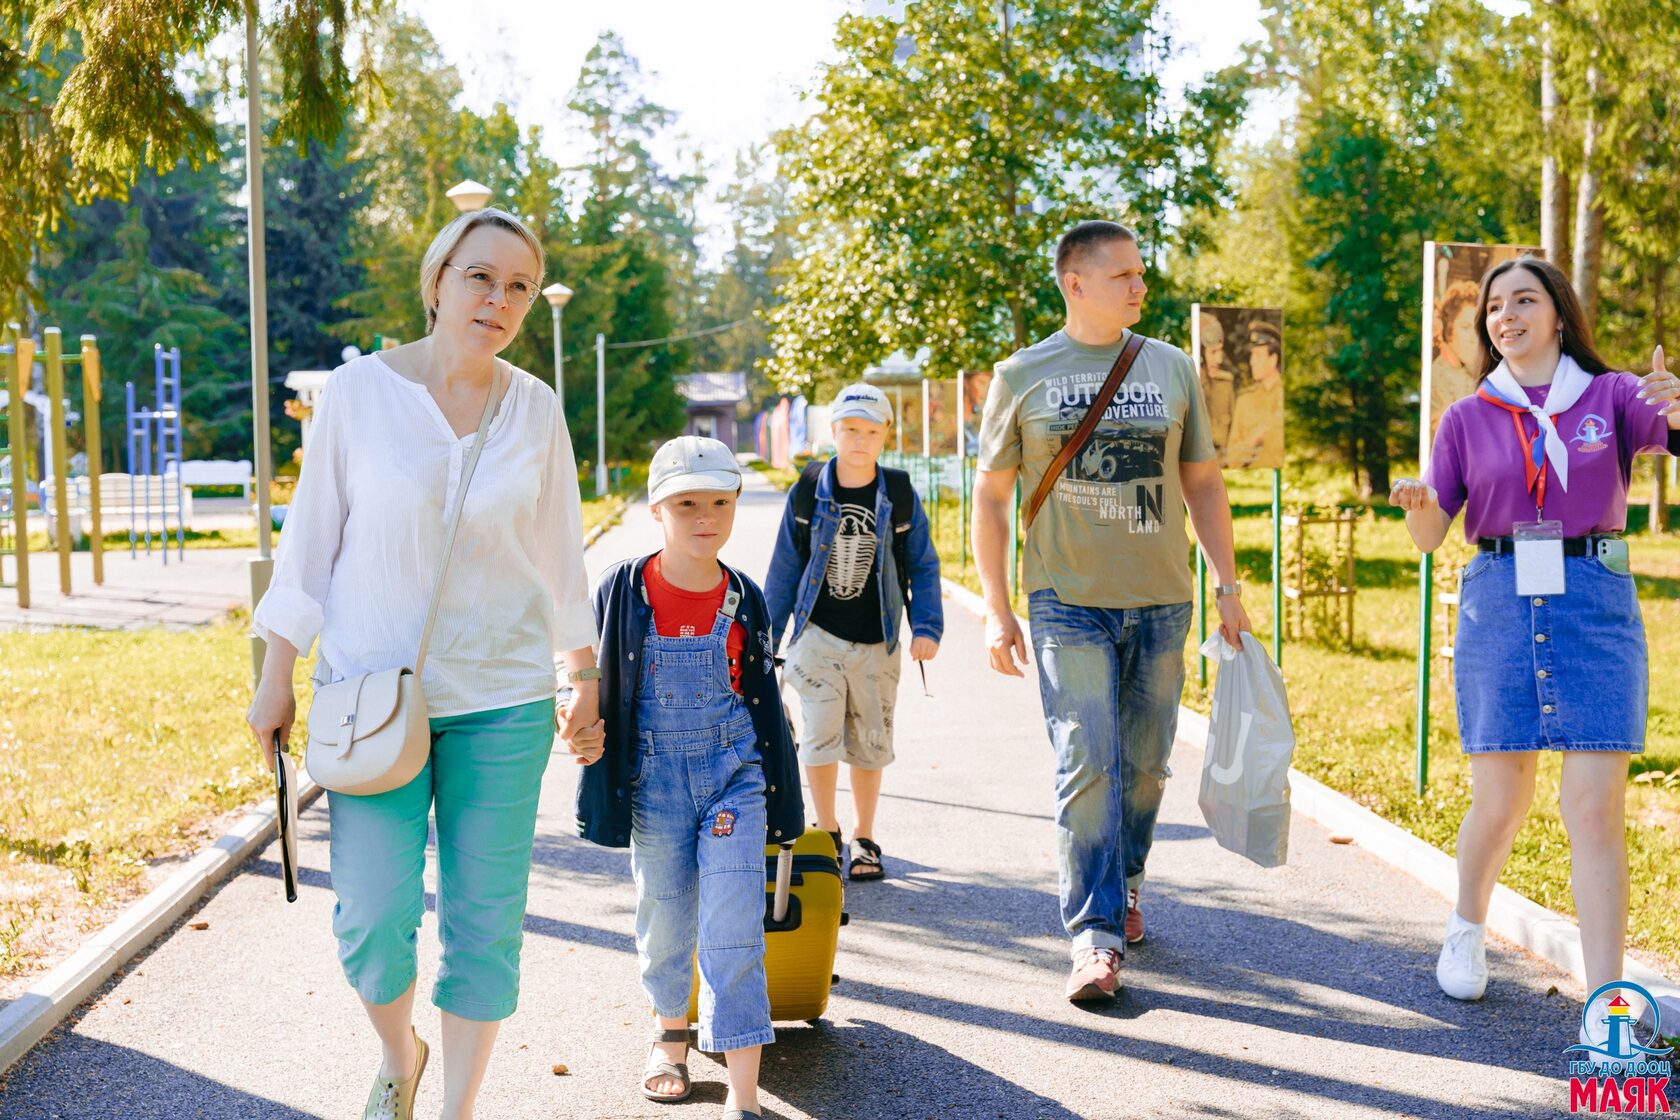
x=962 y=510
x=1277 y=567
x=933 y=493
x=1201 y=615
x=1426 y=587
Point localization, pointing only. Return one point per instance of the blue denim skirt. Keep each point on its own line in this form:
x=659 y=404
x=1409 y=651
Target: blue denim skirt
x=1554 y=673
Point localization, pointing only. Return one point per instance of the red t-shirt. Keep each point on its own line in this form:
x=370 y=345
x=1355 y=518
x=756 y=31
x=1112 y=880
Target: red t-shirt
x=692 y=614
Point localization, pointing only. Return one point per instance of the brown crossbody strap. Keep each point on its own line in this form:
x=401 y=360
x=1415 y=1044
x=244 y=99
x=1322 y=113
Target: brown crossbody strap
x=1093 y=416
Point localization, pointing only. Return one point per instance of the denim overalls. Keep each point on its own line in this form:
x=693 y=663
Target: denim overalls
x=697 y=838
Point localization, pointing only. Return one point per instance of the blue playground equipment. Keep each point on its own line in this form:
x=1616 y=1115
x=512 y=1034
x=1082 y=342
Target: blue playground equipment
x=154 y=454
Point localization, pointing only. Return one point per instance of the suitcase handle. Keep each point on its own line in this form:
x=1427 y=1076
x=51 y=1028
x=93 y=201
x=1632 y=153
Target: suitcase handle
x=784 y=880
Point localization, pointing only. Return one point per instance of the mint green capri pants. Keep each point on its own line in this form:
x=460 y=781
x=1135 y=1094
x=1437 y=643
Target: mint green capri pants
x=484 y=777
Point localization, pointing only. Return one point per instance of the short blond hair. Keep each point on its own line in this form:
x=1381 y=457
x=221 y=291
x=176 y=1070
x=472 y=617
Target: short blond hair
x=449 y=239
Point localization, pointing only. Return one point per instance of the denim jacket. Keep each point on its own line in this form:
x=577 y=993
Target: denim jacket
x=794 y=580
x=621 y=617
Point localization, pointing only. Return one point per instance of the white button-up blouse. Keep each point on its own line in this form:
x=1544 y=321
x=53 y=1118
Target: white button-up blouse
x=362 y=537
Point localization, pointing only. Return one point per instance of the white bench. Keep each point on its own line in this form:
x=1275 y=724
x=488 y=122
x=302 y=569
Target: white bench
x=218 y=472
x=125 y=501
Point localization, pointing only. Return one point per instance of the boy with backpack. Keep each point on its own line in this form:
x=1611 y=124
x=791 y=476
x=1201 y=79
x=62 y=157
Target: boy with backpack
x=854 y=554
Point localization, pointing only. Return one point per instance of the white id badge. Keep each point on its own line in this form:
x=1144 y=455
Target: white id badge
x=1538 y=546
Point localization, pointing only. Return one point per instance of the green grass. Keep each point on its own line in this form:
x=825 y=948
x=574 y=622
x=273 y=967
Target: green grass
x=607 y=508
x=782 y=478
x=114 y=746
x=193 y=538
x=1355 y=708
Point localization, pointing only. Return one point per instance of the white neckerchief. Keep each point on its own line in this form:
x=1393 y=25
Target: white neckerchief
x=1568 y=383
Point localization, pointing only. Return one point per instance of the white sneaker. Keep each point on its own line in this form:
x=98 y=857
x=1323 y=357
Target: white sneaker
x=1462 y=970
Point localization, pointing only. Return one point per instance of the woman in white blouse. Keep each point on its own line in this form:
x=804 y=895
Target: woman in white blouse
x=361 y=544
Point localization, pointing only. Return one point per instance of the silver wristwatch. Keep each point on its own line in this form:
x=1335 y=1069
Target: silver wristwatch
x=1224 y=589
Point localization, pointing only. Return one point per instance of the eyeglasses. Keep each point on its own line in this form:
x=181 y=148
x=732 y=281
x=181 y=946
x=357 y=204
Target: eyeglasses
x=481 y=283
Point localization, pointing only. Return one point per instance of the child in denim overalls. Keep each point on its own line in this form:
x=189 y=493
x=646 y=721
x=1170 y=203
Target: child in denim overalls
x=695 y=734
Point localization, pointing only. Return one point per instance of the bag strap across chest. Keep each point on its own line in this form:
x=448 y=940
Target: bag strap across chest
x=1093 y=417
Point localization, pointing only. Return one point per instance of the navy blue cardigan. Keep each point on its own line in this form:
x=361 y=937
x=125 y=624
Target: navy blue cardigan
x=621 y=618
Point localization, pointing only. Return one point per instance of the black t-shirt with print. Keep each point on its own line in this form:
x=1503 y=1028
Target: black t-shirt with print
x=849 y=600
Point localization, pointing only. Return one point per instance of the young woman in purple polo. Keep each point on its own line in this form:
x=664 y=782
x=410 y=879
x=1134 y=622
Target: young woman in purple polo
x=1550 y=645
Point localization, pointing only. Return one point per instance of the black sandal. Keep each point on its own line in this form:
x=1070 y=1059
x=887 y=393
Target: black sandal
x=657 y=1069
x=866 y=861
x=839 y=844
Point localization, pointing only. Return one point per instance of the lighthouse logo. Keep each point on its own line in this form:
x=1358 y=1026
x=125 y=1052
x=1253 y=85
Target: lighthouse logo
x=1611 y=1068
x=1590 y=433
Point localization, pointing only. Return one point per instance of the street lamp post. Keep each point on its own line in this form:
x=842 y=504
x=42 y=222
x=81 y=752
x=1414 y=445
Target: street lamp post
x=557 y=294
x=468 y=194
x=600 y=415
x=261 y=569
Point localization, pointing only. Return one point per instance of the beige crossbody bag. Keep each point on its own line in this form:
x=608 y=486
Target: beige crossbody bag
x=371 y=733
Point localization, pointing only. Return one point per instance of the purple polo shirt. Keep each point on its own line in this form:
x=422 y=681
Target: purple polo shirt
x=1477 y=461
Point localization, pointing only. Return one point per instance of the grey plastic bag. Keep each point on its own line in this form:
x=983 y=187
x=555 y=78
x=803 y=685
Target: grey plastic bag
x=1245 y=772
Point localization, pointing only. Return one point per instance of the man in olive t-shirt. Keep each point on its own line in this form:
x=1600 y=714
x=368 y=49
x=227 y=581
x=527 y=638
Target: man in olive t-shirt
x=1106 y=574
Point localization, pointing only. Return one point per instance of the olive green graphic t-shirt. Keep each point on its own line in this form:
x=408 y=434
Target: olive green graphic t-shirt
x=1111 y=533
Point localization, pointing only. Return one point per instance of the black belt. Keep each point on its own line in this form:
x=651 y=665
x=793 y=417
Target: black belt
x=1572 y=546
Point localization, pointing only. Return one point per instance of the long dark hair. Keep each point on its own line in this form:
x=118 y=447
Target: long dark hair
x=1576 y=340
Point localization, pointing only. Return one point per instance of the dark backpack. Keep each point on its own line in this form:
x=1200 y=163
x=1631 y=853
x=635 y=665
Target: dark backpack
x=900 y=494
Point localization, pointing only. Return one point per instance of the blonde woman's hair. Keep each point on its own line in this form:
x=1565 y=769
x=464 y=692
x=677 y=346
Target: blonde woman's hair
x=449 y=239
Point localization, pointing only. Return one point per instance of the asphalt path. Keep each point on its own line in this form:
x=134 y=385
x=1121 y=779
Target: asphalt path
x=1304 y=991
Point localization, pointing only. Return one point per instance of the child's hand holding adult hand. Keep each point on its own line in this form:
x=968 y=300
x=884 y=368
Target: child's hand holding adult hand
x=923 y=649
x=582 y=730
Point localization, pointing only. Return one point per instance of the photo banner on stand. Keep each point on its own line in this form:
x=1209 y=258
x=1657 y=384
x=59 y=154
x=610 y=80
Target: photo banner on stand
x=1452 y=284
x=1239 y=358
x=941 y=431
x=819 y=431
x=798 y=432
x=779 y=434
x=975 y=384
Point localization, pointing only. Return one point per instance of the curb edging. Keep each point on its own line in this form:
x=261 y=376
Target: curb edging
x=1545 y=933
x=48 y=1002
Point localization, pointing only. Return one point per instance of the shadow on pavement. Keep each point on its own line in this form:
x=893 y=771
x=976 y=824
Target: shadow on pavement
x=1254 y=1071
x=1274 y=970
x=867 y=1071
x=122 y=1084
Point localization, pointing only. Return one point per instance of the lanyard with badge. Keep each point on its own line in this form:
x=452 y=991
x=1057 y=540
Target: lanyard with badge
x=1538 y=544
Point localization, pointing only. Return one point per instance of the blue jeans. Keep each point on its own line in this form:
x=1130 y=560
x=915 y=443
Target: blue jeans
x=697 y=853
x=697 y=830
x=1556 y=672
x=1110 y=681
x=483 y=778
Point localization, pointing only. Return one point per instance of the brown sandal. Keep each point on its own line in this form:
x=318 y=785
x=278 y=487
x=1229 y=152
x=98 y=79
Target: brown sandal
x=657 y=1069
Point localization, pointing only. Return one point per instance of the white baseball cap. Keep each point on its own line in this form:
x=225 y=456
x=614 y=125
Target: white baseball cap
x=692 y=463
x=862 y=400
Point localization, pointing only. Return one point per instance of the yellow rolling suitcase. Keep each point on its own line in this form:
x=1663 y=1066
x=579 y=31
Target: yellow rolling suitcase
x=802 y=920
